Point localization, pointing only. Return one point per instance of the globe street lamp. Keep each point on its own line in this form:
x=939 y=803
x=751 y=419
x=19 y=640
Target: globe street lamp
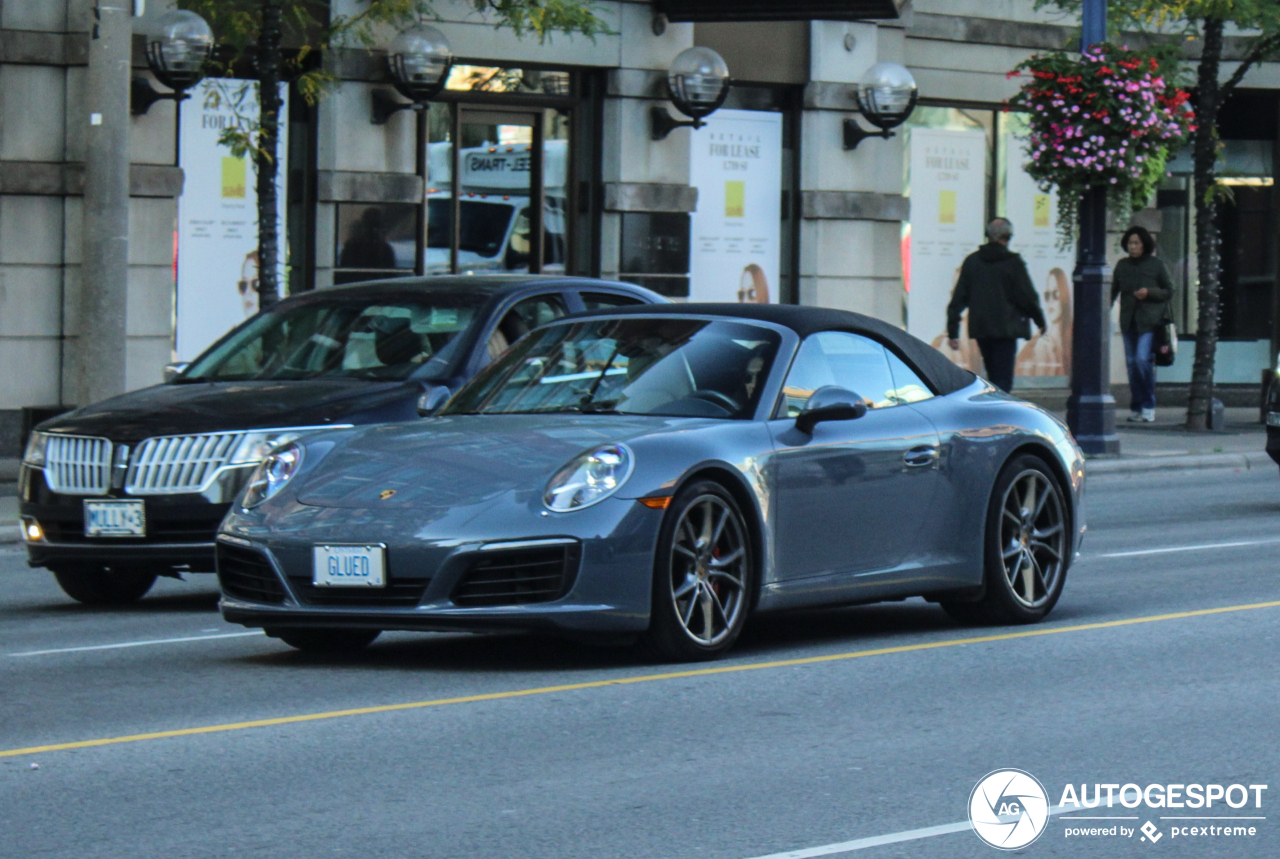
x=177 y=51
x=419 y=60
x=886 y=96
x=698 y=83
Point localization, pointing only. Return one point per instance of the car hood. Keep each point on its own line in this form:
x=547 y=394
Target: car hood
x=196 y=407
x=464 y=460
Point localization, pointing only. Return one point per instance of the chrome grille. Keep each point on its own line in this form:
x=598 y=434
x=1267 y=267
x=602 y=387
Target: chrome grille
x=77 y=464
x=179 y=463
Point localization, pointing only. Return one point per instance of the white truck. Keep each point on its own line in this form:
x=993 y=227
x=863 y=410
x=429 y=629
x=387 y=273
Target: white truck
x=494 y=208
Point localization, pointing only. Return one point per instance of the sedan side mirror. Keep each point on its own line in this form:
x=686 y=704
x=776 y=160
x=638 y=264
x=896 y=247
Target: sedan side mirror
x=173 y=371
x=431 y=400
x=830 y=403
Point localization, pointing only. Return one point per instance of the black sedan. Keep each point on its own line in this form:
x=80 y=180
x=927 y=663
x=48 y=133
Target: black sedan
x=119 y=492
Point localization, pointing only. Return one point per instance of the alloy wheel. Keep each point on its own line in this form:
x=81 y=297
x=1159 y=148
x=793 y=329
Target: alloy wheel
x=708 y=568
x=1032 y=537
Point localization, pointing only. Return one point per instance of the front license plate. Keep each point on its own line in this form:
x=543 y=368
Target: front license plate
x=1273 y=419
x=348 y=567
x=115 y=519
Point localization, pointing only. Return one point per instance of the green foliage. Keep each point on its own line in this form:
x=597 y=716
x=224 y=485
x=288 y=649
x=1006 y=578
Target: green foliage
x=308 y=28
x=1181 y=16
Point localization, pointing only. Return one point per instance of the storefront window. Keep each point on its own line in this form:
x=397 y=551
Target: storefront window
x=375 y=240
x=965 y=167
x=508 y=208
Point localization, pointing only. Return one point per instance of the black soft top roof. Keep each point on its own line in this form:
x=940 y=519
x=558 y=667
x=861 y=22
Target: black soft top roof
x=932 y=366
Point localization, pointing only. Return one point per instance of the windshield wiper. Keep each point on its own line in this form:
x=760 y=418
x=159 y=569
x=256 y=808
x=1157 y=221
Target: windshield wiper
x=598 y=407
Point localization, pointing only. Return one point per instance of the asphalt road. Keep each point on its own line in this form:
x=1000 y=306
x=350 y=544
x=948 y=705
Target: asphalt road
x=748 y=758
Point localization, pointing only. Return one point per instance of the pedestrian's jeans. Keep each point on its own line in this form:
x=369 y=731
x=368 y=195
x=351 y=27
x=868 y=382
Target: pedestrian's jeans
x=999 y=354
x=1142 y=370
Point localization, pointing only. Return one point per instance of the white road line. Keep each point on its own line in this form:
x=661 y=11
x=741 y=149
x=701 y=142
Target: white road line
x=1199 y=548
x=137 y=643
x=892 y=838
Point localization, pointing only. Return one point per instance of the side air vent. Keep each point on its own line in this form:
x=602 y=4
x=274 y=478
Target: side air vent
x=518 y=576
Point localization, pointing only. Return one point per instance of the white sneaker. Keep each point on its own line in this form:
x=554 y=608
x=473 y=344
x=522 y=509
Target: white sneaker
x=1134 y=417
x=1148 y=415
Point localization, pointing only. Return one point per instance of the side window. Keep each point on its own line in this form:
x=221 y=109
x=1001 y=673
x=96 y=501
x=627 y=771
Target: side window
x=523 y=318
x=907 y=386
x=605 y=300
x=839 y=358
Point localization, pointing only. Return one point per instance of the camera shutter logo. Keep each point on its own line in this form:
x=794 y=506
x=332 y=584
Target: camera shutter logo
x=1008 y=809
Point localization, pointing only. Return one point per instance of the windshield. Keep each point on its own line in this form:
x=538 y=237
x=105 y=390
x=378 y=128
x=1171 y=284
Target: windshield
x=342 y=338
x=484 y=225
x=635 y=366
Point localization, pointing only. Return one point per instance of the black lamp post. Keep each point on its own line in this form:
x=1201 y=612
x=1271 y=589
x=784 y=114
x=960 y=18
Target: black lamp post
x=177 y=51
x=1091 y=410
x=698 y=83
x=886 y=97
x=419 y=60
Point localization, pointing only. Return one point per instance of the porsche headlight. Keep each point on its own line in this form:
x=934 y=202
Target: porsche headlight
x=258 y=443
x=34 y=454
x=589 y=477
x=272 y=474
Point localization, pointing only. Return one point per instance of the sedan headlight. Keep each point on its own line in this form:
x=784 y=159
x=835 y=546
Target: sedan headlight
x=272 y=474
x=588 y=478
x=258 y=443
x=34 y=454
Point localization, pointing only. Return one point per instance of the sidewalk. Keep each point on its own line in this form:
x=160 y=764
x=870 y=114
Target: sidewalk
x=1166 y=444
x=1160 y=445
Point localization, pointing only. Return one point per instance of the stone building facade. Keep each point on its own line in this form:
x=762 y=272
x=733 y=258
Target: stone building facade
x=622 y=196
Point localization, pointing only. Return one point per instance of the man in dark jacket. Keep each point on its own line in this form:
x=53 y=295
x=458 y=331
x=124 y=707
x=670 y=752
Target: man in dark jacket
x=995 y=287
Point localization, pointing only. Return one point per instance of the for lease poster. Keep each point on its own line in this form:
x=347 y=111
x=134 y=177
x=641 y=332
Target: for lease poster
x=948 y=205
x=217 y=241
x=1045 y=359
x=736 y=165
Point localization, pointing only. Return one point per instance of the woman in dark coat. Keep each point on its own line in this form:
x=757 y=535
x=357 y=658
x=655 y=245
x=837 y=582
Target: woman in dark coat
x=1142 y=284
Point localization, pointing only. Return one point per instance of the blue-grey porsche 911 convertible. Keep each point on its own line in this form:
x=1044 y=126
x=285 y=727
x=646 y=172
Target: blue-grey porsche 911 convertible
x=662 y=473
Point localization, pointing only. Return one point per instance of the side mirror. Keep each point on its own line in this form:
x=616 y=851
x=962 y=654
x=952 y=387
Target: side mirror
x=830 y=403
x=173 y=371
x=432 y=399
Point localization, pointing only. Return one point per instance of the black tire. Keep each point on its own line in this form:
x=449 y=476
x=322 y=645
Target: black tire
x=327 y=641
x=703 y=576
x=1027 y=548
x=99 y=586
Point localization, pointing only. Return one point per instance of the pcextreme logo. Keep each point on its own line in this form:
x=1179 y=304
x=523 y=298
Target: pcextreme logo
x=1009 y=809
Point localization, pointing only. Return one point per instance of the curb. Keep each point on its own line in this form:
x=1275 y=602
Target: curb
x=1129 y=464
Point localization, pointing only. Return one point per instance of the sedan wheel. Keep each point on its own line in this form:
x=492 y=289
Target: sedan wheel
x=1028 y=548
x=703 y=575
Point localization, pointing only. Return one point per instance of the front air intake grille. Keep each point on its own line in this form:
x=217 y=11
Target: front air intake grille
x=179 y=463
x=398 y=593
x=77 y=464
x=247 y=574
x=518 y=576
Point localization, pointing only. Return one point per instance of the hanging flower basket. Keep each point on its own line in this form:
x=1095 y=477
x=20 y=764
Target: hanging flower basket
x=1110 y=117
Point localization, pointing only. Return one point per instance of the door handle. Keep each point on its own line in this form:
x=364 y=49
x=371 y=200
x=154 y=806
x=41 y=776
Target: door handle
x=920 y=456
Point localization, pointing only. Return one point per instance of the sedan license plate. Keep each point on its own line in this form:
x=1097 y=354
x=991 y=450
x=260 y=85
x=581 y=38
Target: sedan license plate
x=1273 y=419
x=115 y=519
x=348 y=567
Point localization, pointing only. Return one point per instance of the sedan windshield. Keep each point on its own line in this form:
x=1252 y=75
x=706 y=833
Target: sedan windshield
x=632 y=365
x=374 y=339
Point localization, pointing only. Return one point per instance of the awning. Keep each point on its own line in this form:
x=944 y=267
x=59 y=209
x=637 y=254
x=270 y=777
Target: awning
x=777 y=10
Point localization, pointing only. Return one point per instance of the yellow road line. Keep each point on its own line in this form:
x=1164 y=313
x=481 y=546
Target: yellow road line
x=621 y=681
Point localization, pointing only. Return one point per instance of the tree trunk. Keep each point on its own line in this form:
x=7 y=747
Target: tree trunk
x=1208 y=241
x=267 y=156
